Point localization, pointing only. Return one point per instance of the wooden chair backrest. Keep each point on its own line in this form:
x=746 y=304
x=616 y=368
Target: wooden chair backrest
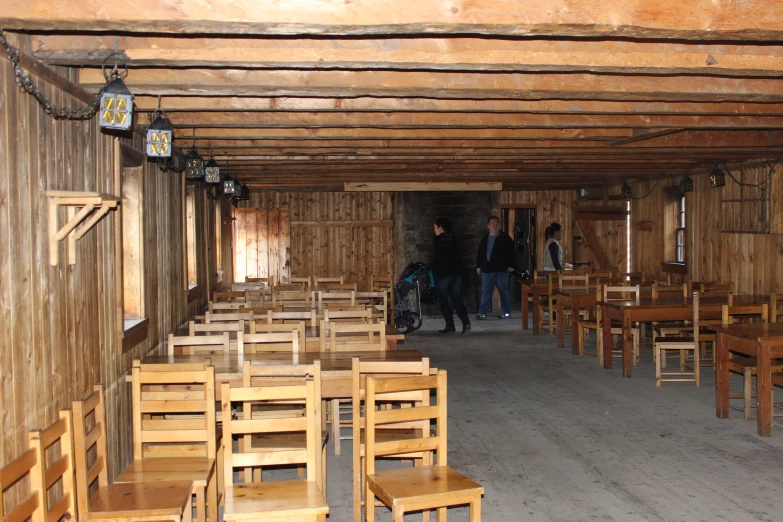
x=380 y=283
x=744 y=311
x=308 y=281
x=300 y=327
x=283 y=317
x=89 y=431
x=60 y=470
x=379 y=387
x=377 y=300
x=574 y=281
x=664 y=291
x=320 y=280
x=716 y=287
x=350 y=337
x=268 y=280
x=301 y=298
x=774 y=313
x=336 y=298
x=288 y=287
x=230 y=295
x=601 y=274
x=28 y=464
x=191 y=344
x=270 y=342
x=346 y=316
x=173 y=410
x=626 y=293
x=259 y=312
x=337 y=287
x=212 y=306
x=247 y=458
x=228 y=317
x=195 y=328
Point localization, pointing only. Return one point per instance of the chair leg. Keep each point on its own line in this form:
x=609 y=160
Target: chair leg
x=747 y=379
x=599 y=345
x=201 y=504
x=398 y=515
x=696 y=367
x=581 y=341
x=442 y=514
x=335 y=407
x=369 y=504
x=221 y=491
x=358 y=483
x=660 y=354
x=212 y=498
x=551 y=317
x=475 y=510
x=635 y=348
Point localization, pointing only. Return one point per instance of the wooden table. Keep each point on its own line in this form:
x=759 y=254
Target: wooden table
x=762 y=341
x=537 y=290
x=648 y=309
x=335 y=366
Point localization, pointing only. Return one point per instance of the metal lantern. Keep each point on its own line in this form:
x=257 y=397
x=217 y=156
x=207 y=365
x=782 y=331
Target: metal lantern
x=159 y=136
x=194 y=165
x=229 y=186
x=116 y=106
x=244 y=193
x=212 y=171
x=686 y=184
x=626 y=191
x=717 y=178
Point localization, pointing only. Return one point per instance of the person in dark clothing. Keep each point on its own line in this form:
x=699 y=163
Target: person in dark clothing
x=494 y=262
x=553 y=252
x=446 y=268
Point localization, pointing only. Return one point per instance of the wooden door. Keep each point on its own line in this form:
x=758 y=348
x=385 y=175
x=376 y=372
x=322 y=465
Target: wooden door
x=262 y=243
x=604 y=240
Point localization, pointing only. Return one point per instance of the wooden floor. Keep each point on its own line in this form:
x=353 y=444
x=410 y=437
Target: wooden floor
x=552 y=437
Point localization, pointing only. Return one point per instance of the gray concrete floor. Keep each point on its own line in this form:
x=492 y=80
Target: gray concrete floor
x=553 y=437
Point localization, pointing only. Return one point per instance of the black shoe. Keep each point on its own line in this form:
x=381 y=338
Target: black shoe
x=465 y=328
x=448 y=329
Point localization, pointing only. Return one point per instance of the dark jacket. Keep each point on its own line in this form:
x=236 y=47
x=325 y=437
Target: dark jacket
x=445 y=256
x=502 y=256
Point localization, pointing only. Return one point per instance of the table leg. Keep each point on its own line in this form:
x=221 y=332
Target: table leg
x=606 y=326
x=764 y=391
x=525 y=307
x=575 y=326
x=560 y=324
x=391 y=344
x=722 y=378
x=627 y=346
x=537 y=312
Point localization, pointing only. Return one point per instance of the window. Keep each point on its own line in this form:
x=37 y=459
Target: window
x=132 y=246
x=190 y=234
x=746 y=200
x=218 y=241
x=680 y=230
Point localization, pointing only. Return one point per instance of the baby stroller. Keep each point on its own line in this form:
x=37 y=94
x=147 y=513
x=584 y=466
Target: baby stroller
x=416 y=285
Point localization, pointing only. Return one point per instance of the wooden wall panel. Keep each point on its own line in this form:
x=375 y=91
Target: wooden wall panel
x=60 y=330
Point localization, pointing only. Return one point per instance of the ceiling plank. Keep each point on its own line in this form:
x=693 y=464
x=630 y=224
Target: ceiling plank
x=422 y=186
x=397 y=134
x=746 y=20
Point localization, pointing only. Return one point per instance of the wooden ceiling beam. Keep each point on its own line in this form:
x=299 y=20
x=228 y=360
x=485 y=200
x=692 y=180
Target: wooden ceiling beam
x=214 y=82
x=396 y=134
x=459 y=54
x=759 y=20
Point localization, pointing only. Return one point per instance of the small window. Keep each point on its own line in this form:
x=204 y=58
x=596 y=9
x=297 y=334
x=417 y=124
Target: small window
x=131 y=210
x=680 y=230
x=190 y=234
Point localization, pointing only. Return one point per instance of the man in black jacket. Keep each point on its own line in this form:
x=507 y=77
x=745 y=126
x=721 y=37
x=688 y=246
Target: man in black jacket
x=447 y=270
x=495 y=261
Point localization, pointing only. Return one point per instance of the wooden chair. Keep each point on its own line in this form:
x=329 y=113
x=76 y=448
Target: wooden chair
x=139 y=501
x=230 y=296
x=308 y=281
x=228 y=317
x=291 y=317
x=32 y=504
x=585 y=325
x=378 y=300
x=349 y=337
x=255 y=375
x=329 y=298
x=290 y=500
x=669 y=327
x=746 y=366
x=683 y=344
x=573 y=281
x=174 y=436
x=359 y=371
x=223 y=307
x=346 y=316
x=289 y=287
x=259 y=312
x=191 y=344
x=291 y=326
x=270 y=342
x=622 y=293
x=296 y=298
x=269 y=281
x=338 y=287
x=321 y=280
x=215 y=328
x=423 y=487
x=774 y=312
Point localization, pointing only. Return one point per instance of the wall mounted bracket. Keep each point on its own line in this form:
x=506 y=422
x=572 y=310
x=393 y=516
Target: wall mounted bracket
x=94 y=206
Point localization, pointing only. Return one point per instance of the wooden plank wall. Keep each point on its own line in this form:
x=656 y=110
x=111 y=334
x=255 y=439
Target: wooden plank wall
x=262 y=239
x=60 y=330
x=357 y=252
x=752 y=262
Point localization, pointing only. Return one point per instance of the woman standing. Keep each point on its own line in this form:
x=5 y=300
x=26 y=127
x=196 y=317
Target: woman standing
x=553 y=252
x=446 y=268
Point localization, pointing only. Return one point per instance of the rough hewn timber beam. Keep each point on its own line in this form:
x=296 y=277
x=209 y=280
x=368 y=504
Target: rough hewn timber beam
x=422 y=186
x=396 y=134
x=702 y=20
x=462 y=54
x=443 y=85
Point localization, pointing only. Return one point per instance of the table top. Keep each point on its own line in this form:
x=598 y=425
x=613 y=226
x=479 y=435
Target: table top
x=681 y=302
x=330 y=361
x=759 y=332
x=314 y=332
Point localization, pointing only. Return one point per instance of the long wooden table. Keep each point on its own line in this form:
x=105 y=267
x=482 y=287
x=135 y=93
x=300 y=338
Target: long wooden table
x=648 y=309
x=335 y=366
x=537 y=290
x=762 y=341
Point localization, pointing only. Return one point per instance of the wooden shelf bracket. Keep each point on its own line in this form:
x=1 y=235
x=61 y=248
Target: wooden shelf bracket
x=94 y=206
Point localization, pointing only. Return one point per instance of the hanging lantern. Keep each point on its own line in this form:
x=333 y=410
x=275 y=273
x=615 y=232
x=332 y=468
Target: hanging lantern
x=116 y=106
x=686 y=184
x=194 y=165
x=212 y=171
x=717 y=178
x=626 y=191
x=229 y=186
x=244 y=193
x=159 y=136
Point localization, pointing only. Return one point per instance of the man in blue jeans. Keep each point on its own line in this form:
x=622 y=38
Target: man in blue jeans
x=495 y=261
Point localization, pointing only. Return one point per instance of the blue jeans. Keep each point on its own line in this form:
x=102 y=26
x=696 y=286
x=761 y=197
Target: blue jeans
x=449 y=287
x=489 y=281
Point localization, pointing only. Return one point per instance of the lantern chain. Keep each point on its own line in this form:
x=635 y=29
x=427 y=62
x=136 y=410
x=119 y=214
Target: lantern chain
x=27 y=85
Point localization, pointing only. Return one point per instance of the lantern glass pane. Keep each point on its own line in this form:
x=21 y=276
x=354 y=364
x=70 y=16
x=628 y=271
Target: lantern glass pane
x=212 y=175
x=116 y=111
x=229 y=187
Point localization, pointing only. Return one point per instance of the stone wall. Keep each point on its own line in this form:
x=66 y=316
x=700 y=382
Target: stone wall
x=467 y=210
